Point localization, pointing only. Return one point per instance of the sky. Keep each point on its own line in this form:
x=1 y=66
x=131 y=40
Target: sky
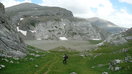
x=117 y=11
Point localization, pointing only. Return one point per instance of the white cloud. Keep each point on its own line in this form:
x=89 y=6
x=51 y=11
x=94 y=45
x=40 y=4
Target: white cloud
x=88 y=8
x=126 y=1
x=9 y=3
x=94 y=8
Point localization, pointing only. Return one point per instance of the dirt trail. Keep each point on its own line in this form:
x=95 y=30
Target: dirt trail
x=48 y=66
x=51 y=65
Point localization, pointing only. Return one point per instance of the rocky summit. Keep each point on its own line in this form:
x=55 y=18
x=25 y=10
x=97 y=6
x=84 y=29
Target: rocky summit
x=35 y=22
x=11 y=44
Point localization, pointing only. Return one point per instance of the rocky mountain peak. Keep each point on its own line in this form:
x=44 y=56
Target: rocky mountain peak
x=2 y=10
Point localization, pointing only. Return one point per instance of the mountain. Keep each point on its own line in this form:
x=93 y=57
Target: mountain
x=11 y=44
x=55 y=23
x=106 y=25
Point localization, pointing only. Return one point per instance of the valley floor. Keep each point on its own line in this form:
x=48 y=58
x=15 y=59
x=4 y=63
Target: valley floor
x=73 y=44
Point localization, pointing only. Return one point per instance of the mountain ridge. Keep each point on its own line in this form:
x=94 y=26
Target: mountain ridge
x=59 y=19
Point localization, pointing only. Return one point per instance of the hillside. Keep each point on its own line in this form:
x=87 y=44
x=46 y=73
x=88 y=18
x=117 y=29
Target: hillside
x=50 y=62
x=36 y=22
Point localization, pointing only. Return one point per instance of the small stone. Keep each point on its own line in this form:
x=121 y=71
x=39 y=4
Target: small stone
x=37 y=55
x=17 y=62
x=37 y=51
x=6 y=60
x=31 y=59
x=100 y=65
x=2 y=66
x=118 y=61
x=73 y=73
x=36 y=66
x=11 y=61
x=117 y=68
x=93 y=67
x=16 y=58
x=32 y=54
x=104 y=72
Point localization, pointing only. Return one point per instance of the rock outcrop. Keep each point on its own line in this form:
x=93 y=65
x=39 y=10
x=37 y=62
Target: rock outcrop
x=11 y=45
x=53 y=23
x=119 y=38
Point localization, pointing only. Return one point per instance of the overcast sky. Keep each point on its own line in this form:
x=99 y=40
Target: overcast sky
x=116 y=11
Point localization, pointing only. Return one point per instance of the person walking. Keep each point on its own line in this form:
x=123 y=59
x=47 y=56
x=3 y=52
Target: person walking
x=65 y=57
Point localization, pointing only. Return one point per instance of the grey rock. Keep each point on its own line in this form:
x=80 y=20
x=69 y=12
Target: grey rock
x=116 y=39
x=129 y=37
x=128 y=59
x=10 y=42
x=51 y=23
x=104 y=72
x=73 y=73
x=36 y=66
x=117 y=68
x=2 y=8
x=113 y=65
x=2 y=66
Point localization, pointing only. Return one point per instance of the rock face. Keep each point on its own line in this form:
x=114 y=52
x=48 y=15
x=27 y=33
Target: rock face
x=116 y=39
x=10 y=42
x=53 y=23
x=119 y=38
x=70 y=29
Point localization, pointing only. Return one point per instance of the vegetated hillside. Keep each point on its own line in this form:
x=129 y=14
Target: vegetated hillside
x=109 y=59
x=52 y=23
x=11 y=45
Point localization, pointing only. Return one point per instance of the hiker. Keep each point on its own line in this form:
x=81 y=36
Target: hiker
x=65 y=59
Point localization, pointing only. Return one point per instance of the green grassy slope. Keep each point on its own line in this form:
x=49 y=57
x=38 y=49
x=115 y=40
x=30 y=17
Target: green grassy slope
x=50 y=62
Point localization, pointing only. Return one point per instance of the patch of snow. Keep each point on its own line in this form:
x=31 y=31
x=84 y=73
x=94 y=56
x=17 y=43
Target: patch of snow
x=109 y=25
x=39 y=39
x=23 y=32
x=33 y=31
x=21 y=19
x=63 y=38
x=64 y=24
x=96 y=39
